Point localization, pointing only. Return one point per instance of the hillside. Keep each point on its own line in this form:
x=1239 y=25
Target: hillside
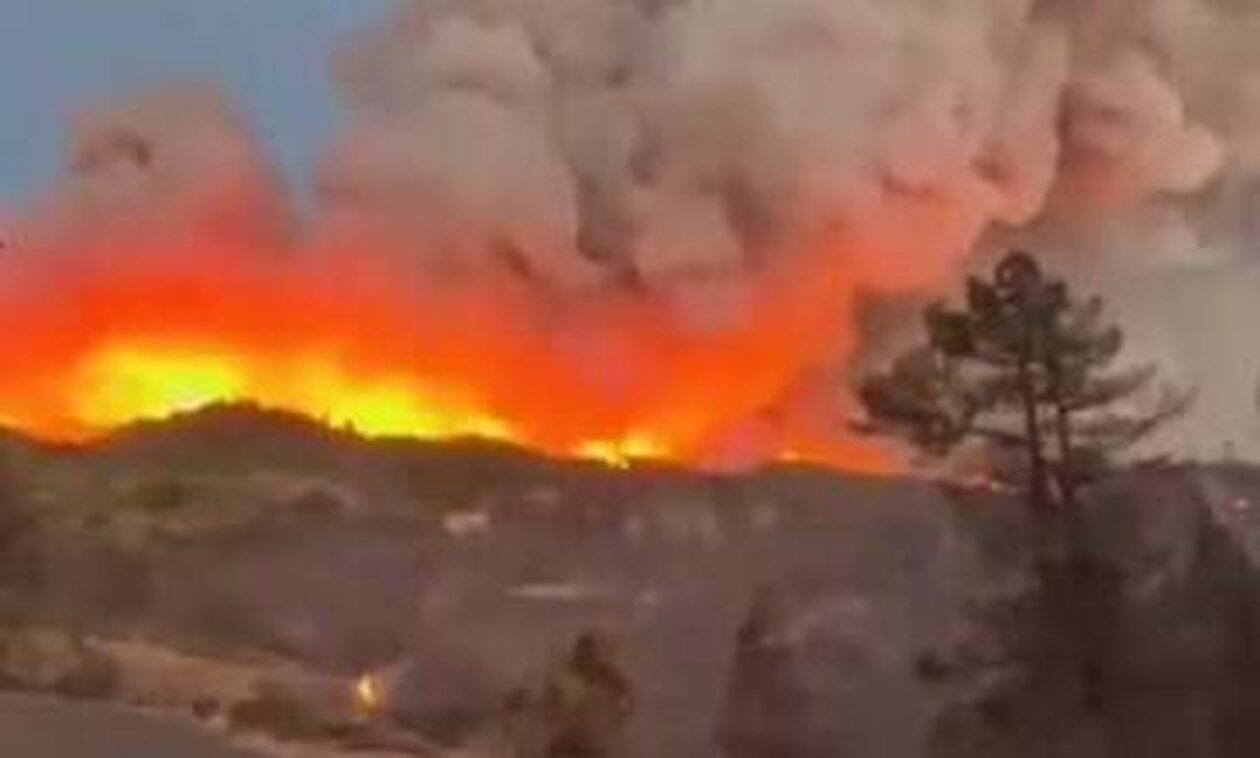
x=455 y=573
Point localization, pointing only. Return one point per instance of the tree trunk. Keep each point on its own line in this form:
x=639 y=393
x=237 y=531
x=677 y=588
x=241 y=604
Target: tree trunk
x=1066 y=469
x=1038 y=491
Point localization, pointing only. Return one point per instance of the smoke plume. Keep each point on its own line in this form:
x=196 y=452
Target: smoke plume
x=674 y=210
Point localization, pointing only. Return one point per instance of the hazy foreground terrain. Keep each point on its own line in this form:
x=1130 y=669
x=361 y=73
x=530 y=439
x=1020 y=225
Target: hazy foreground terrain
x=189 y=567
x=34 y=728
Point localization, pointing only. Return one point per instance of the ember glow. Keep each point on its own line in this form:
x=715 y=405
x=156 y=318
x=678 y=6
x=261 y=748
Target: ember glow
x=369 y=696
x=105 y=346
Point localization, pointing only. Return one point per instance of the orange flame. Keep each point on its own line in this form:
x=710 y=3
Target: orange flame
x=369 y=695
x=101 y=344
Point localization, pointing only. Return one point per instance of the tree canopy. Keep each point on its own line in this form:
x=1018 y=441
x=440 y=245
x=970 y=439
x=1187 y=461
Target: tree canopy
x=1022 y=366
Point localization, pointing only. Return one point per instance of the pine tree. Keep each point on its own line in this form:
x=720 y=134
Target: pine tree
x=1023 y=366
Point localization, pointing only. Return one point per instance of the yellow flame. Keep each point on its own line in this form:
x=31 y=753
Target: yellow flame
x=623 y=453
x=121 y=383
x=369 y=696
x=124 y=383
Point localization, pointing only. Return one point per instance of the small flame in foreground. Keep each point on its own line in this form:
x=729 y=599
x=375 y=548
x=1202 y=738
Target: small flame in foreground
x=369 y=695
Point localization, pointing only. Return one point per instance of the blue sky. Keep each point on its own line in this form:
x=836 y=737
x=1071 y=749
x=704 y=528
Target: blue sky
x=271 y=56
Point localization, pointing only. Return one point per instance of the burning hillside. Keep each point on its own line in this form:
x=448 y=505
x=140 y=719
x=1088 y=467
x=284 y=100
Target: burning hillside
x=607 y=229
x=105 y=348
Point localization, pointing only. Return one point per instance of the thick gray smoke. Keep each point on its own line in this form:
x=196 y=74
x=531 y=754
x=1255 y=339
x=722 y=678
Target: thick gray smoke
x=1156 y=200
x=687 y=146
x=168 y=171
x=691 y=152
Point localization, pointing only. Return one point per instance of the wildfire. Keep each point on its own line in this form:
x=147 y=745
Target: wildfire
x=121 y=384
x=103 y=348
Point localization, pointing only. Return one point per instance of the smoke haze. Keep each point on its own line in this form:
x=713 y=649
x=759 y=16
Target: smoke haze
x=660 y=196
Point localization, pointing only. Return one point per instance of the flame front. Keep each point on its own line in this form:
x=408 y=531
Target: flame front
x=123 y=382
x=106 y=347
